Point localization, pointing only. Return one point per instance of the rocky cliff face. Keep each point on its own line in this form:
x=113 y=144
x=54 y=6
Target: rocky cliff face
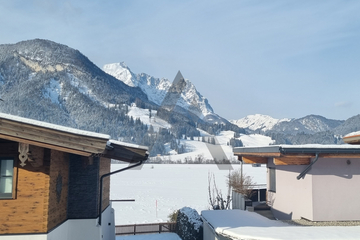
x=156 y=89
x=51 y=82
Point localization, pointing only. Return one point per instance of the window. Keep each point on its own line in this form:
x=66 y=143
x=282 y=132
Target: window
x=272 y=180
x=6 y=178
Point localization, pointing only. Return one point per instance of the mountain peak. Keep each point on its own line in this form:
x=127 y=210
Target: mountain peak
x=156 y=89
x=121 y=71
x=258 y=122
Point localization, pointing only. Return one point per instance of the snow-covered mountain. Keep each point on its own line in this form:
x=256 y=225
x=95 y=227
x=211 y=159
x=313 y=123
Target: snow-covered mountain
x=309 y=124
x=258 y=122
x=51 y=82
x=157 y=88
x=265 y=124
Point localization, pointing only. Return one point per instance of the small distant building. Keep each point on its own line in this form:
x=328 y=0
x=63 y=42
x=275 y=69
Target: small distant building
x=314 y=182
x=50 y=180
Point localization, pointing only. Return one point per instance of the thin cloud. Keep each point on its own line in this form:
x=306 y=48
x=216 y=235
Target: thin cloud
x=343 y=104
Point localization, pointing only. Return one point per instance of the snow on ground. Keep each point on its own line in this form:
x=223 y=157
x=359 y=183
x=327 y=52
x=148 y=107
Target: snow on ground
x=196 y=148
x=202 y=132
x=144 y=114
x=160 y=189
x=155 y=236
x=255 y=140
x=240 y=224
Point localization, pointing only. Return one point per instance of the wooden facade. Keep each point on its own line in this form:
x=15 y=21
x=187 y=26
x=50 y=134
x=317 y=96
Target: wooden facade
x=59 y=179
x=40 y=201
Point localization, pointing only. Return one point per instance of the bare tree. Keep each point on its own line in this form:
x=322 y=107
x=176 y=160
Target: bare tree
x=216 y=198
x=241 y=183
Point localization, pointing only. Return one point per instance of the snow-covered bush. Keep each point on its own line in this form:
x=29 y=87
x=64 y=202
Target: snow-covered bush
x=189 y=224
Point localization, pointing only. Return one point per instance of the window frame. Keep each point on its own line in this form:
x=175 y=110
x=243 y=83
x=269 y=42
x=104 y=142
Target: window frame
x=14 y=178
x=272 y=180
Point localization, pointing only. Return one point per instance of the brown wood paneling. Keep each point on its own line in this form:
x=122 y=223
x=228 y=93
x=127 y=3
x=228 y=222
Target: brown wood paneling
x=27 y=212
x=250 y=160
x=59 y=178
x=292 y=161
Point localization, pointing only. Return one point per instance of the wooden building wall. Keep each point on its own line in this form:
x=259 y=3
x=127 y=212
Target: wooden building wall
x=44 y=198
x=27 y=213
x=58 y=193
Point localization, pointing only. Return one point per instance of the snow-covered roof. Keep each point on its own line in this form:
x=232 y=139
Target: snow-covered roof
x=352 y=138
x=306 y=148
x=127 y=144
x=67 y=139
x=352 y=134
x=53 y=126
x=238 y=224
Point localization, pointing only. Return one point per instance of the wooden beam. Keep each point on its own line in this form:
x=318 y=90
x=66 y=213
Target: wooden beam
x=44 y=128
x=126 y=154
x=51 y=133
x=292 y=161
x=299 y=155
x=53 y=137
x=251 y=160
x=40 y=144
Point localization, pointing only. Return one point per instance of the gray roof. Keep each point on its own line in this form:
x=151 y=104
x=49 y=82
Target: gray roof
x=307 y=148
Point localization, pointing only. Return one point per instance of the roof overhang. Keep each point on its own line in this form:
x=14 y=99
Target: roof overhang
x=125 y=152
x=295 y=154
x=67 y=139
x=352 y=138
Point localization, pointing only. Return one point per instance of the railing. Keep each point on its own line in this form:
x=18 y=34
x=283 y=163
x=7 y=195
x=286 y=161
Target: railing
x=134 y=229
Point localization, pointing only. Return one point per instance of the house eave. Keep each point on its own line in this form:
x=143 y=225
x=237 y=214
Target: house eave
x=295 y=154
x=299 y=149
x=68 y=140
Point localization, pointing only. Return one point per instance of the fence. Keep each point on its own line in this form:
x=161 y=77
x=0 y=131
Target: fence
x=134 y=229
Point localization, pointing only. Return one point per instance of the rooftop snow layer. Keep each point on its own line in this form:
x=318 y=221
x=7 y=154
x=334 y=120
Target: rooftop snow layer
x=127 y=144
x=238 y=224
x=352 y=134
x=305 y=148
x=53 y=126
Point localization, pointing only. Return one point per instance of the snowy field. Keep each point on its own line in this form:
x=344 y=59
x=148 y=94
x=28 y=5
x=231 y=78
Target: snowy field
x=160 y=189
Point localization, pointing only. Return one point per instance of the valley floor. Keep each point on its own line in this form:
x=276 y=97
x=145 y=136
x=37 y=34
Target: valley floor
x=160 y=189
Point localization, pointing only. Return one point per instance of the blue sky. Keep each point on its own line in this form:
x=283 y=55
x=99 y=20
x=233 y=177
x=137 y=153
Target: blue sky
x=279 y=58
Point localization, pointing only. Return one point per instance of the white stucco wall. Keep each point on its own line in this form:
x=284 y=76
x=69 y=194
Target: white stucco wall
x=330 y=191
x=82 y=229
x=22 y=237
x=76 y=229
x=293 y=198
x=336 y=189
x=108 y=224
